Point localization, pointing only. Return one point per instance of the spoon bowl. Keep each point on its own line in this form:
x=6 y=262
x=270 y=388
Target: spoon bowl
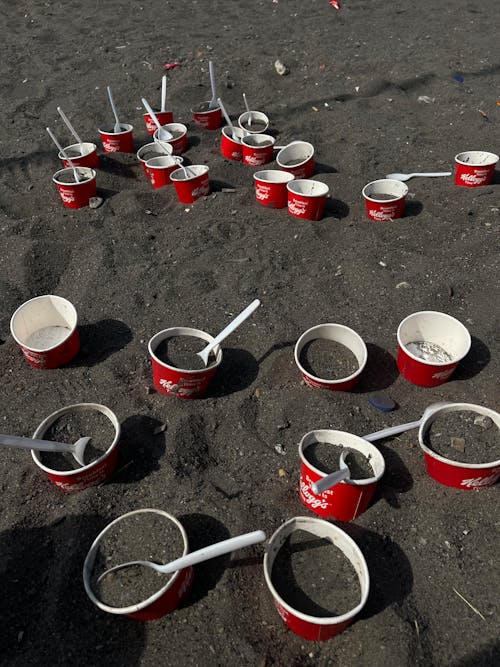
x=401 y=428
x=77 y=448
x=333 y=478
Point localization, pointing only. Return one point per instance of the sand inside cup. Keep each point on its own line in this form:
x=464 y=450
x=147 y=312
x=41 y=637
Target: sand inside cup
x=181 y=352
x=382 y=196
x=47 y=337
x=294 y=162
x=465 y=436
x=328 y=359
x=68 y=176
x=314 y=577
x=255 y=126
x=72 y=426
x=326 y=457
x=203 y=108
x=145 y=536
x=428 y=351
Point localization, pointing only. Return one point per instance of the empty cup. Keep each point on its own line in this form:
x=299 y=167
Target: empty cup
x=385 y=199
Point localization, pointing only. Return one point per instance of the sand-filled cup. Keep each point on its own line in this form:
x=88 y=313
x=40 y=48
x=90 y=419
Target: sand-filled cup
x=191 y=182
x=230 y=143
x=270 y=187
x=206 y=117
x=45 y=328
x=385 y=199
x=173 y=380
x=170 y=591
x=73 y=193
x=118 y=142
x=159 y=169
x=307 y=625
x=164 y=118
x=340 y=335
x=81 y=155
x=151 y=150
x=297 y=158
x=351 y=497
x=97 y=470
x=450 y=472
x=307 y=198
x=253 y=122
x=257 y=149
x=179 y=141
x=430 y=346
x=475 y=168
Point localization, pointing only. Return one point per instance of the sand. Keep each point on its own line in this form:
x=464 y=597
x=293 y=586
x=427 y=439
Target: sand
x=142 y=262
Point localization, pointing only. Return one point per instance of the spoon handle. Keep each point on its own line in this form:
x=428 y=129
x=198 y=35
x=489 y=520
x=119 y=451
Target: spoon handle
x=32 y=443
x=163 y=93
x=63 y=153
x=112 y=102
x=212 y=79
x=226 y=116
x=330 y=480
x=151 y=112
x=246 y=103
x=392 y=430
x=432 y=174
x=230 y=328
x=68 y=125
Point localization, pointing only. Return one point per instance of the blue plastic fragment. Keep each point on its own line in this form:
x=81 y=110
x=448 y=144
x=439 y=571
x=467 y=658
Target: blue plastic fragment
x=382 y=402
x=459 y=78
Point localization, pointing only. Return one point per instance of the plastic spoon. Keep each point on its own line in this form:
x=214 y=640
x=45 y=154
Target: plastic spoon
x=248 y=110
x=77 y=449
x=163 y=134
x=229 y=329
x=228 y=121
x=333 y=478
x=117 y=128
x=163 y=93
x=394 y=430
x=406 y=177
x=212 y=551
x=63 y=153
x=213 y=102
x=70 y=128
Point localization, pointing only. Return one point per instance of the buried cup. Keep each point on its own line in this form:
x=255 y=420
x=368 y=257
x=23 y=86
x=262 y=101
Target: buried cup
x=474 y=168
x=159 y=169
x=118 y=142
x=75 y=193
x=385 y=199
x=253 y=122
x=164 y=118
x=349 y=498
x=270 y=187
x=81 y=155
x=152 y=150
x=306 y=198
x=206 y=117
x=306 y=624
x=98 y=470
x=45 y=328
x=191 y=182
x=430 y=345
x=174 y=380
x=179 y=141
x=297 y=158
x=230 y=142
x=345 y=341
x=257 y=149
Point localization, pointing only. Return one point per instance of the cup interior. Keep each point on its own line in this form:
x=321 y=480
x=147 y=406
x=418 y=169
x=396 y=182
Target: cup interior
x=235 y=134
x=124 y=127
x=66 y=176
x=385 y=186
x=438 y=328
x=183 y=331
x=162 y=162
x=308 y=187
x=477 y=158
x=296 y=153
x=152 y=150
x=254 y=119
x=258 y=140
x=78 y=150
x=273 y=176
x=190 y=173
x=48 y=311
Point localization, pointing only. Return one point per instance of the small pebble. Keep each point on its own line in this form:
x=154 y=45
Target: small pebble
x=95 y=202
x=281 y=472
x=403 y=284
x=281 y=68
x=382 y=402
x=483 y=421
x=279 y=449
x=458 y=444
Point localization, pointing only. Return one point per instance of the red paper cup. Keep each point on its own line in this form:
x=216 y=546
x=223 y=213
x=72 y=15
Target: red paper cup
x=253 y=122
x=160 y=168
x=297 y=158
x=432 y=327
x=94 y=473
x=455 y=473
x=180 y=141
x=152 y=150
x=340 y=334
x=229 y=148
x=475 y=168
x=118 y=142
x=165 y=600
x=393 y=203
x=163 y=117
x=75 y=194
x=316 y=628
x=191 y=184
x=208 y=119
x=349 y=498
x=306 y=198
x=257 y=149
x=270 y=187
x=45 y=328
x=81 y=155
x=180 y=382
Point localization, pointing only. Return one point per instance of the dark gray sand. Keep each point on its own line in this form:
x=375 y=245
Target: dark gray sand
x=326 y=457
x=327 y=359
x=181 y=352
x=373 y=88
x=464 y=436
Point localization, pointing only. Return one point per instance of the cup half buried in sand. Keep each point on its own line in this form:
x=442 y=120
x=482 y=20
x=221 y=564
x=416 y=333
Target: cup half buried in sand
x=474 y=168
x=143 y=594
x=385 y=199
x=76 y=193
x=430 y=346
x=270 y=187
x=91 y=420
x=45 y=328
x=82 y=155
x=230 y=143
x=159 y=169
x=331 y=356
x=461 y=445
x=257 y=149
x=320 y=453
x=179 y=141
x=152 y=150
x=307 y=198
x=162 y=116
x=191 y=182
x=317 y=575
x=297 y=158
x=118 y=142
x=208 y=114
x=254 y=122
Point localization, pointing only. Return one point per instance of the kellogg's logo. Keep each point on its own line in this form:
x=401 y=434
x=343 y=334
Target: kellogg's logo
x=201 y=191
x=477 y=482
x=477 y=178
x=298 y=208
x=385 y=214
x=309 y=498
x=262 y=192
x=442 y=375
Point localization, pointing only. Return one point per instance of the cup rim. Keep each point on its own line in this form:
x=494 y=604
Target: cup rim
x=493 y=159
x=224 y=131
x=174 y=176
x=285 y=177
x=128 y=129
x=299 y=164
x=89 y=172
x=172 y=332
x=299 y=181
x=153 y=144
x=91 y=148
x=456 y=407
x=261 y=116
x=88 y=565
x=39 y=298
x=152 y=162
x=77 y=407
x=255 y=136
x=148 y=115
x=393 y=181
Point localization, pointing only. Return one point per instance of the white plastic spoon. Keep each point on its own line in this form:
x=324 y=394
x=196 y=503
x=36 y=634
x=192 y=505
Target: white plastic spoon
x=63 y=153
x=225 y=114
x=70 y=128
x=212 y=551
x=117 y=128
x=394 y=430
x=239 y=319
x=248 y=110
x=77 y=448
x=213 y=102
x=333 y=478
x=163 y=134
x=406 y=177
x=163 y=93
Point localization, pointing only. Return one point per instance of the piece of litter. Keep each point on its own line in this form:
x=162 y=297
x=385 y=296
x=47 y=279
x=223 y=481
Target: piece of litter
x=168 y=66
x=160 y=429
x=281 y=68
x=315 y=108
x=356 y=88
x=282 y=472
x=95 y=202
x=483 y=421
x=25 y=80
x=403 y=284
x=465 y=532
x=257 y=393
x=279 y=449
x=470 y=605
x=187 y=210
x=228 y=190
x=458 y=444
x=483 y=113
x=382 y=402
x=383 y=264
x=459 y=78
x=426 y=99
x=334 y=3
